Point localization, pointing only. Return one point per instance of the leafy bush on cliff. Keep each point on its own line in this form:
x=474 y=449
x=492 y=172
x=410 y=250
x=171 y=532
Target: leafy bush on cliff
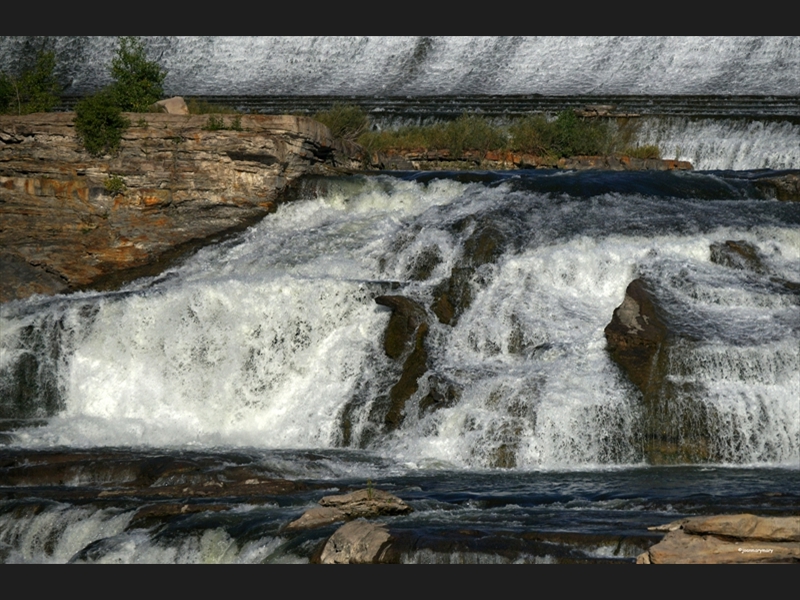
x=100 y=123
x=138 y=82
x=35 y=90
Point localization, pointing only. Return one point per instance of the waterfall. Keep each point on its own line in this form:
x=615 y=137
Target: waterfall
x=274 y=339
x=397 y=65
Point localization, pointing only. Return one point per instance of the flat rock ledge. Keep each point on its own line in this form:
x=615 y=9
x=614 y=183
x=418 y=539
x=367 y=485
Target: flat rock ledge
x=726 y=539
x=361 y=504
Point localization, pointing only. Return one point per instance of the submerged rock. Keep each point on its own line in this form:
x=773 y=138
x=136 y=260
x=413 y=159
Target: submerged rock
x=737 y=539
x=737 y=254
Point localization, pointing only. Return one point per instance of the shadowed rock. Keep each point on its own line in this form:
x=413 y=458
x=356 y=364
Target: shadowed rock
x=404 y=340
x=674 y=423
x=737 y=255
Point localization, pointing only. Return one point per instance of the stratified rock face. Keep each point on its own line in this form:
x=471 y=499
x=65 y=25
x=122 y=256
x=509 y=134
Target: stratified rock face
x=70 y=220
x=738 y=539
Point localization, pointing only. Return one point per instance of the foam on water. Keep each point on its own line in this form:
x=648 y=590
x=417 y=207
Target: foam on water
x=267 y=340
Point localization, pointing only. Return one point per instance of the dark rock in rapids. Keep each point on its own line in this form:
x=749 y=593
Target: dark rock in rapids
x=404 y=341
x=674 y=424
x=483 y=246
x=737 y=254
x=635 y=335
x=785 y=186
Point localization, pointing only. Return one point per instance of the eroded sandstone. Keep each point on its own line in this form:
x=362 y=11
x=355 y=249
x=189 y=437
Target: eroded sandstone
x=72 y=221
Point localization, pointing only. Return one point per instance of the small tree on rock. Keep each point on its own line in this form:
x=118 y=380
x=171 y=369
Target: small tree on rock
x=138 y=82
x=35 y=90
x=100 y=123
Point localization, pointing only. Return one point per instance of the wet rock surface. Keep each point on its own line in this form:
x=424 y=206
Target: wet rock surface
x=640 y=339
x=727 y=539
x=404 y=342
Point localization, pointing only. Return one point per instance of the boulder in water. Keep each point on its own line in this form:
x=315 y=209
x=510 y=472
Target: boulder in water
x=356 y=542
x=738 y=539
x=364 y=504
x=640 y=340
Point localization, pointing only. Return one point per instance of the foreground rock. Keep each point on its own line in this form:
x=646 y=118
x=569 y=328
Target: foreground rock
x=364 y=504
x=72 y=221
x=731 y=539
x=357 y=542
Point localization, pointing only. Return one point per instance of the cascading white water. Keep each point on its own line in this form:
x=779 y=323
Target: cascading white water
x=396 y=65
x=266 y=340
x=719 y=144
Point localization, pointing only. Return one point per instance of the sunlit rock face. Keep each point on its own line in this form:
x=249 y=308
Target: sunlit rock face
x=66 y=226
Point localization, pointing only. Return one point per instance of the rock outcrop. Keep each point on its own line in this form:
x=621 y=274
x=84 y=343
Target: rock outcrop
x=72 y=221
x=731 y=539
x=361 y=504
x=674 y=425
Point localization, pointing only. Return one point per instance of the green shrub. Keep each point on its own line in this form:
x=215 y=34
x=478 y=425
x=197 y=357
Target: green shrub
x=35 y=90
x=100 y=123
x=217 y=123
x=648 y=151
x=573 y=135
x=532 y=134
x=115 y=184
x=138 y=82
x=344 y=120
x=469 y=132
x=214 y=123
x=7 y=93
x=565 y=135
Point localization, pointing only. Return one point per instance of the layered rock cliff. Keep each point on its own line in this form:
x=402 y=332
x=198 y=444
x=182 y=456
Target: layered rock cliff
x=69 y=221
